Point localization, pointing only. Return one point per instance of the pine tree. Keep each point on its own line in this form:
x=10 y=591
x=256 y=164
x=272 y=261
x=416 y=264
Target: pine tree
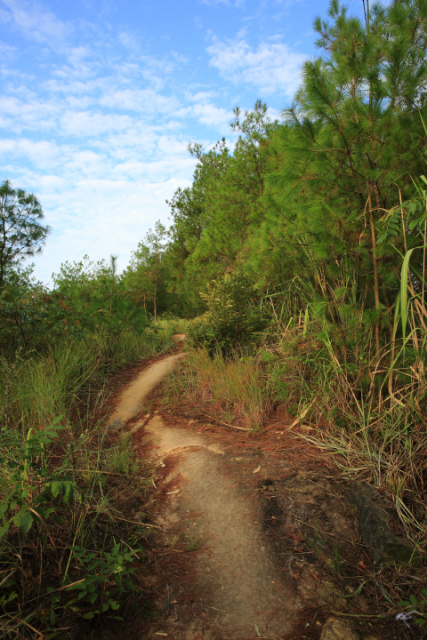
x=21 y=232
x=351 y=143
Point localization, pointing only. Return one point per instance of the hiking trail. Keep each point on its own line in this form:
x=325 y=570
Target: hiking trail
x=248 y=576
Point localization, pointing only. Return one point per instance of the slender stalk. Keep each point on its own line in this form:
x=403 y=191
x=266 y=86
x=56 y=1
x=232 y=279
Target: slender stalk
x=375 y=267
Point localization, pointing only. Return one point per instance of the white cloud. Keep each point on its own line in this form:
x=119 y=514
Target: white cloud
x=272 y=67
x=35 y=22
x=87 y=124
x=104 y=217
x=144 y=100
x=6 y=51
x=33 y=114
x=100 y=130
x=211 y=115
x=41 y=153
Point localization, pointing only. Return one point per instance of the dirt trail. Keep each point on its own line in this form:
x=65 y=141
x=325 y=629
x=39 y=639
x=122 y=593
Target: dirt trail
x=234 y=563
x=131 y=400
x=267 y=519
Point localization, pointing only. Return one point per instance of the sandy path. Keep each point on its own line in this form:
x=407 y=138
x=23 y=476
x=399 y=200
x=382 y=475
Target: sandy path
x=131 y=400
x=234 y=562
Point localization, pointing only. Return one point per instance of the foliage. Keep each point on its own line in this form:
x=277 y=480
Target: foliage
x=147 y=271
x=414 y=607
x=215 y=219
x=101 y=588
x=32 y=490
x=235 y=313
x=21 y=231
x=51 y=511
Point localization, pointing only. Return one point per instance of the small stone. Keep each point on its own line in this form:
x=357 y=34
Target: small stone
x=335 y=629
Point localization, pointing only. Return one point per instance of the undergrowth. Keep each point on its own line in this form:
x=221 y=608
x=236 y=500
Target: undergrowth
x=297 y=374
x=71 y=493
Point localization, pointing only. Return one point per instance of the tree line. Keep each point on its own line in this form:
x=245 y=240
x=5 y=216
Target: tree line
x=317 y=210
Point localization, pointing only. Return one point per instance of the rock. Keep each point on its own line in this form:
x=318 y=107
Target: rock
x=335 y=629
x=385 y=547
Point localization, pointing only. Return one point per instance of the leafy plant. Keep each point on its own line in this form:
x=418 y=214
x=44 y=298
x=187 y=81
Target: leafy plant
x=33 y=490
x=413 y=606
x=234 y=314
x=107 y=576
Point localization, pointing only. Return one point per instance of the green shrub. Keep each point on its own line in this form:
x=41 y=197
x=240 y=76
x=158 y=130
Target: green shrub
x=233 y=317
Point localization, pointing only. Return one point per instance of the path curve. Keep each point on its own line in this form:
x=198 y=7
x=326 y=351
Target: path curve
x=234 y=563
x=130 y=402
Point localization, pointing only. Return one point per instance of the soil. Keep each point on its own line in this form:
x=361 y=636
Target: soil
x=252 y=536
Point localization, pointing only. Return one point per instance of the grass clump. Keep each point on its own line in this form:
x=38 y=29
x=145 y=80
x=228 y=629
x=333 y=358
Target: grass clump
x=70 y=376
x=231 y=389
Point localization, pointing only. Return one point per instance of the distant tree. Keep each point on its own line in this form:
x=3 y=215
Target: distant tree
x=146 y=273
x=21 y=232
x=155 y=240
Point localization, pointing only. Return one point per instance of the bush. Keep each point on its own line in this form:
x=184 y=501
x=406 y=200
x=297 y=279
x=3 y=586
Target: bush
x=235 y=314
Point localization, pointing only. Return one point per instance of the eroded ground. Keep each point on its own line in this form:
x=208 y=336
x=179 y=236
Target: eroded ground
x=253 y=536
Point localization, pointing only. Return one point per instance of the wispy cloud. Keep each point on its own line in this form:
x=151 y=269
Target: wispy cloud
x=96 y=119
x=272 y=67
x=34 y=22
x=209 y=114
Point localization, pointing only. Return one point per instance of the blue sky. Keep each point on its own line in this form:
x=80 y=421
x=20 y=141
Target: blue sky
x=99 y=100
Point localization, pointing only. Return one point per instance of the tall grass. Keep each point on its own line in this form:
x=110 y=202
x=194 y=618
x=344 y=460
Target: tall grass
x=369 y=409
x=62 y=519
x=42 y=386
x=232 y=389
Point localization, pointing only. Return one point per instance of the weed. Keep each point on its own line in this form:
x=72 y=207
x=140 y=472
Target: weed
x=336 y=559
x=233 y=387
x=58 y=532
x=191 y=543
x=415 y=607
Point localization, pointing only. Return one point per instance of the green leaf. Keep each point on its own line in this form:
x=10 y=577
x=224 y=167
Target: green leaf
x=56 y=487
x=3 y=508
x=89 y=616
x=24 y=520
x=47 y=512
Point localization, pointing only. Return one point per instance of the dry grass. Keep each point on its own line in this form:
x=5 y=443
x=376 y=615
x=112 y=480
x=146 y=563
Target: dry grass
x=234 y=389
